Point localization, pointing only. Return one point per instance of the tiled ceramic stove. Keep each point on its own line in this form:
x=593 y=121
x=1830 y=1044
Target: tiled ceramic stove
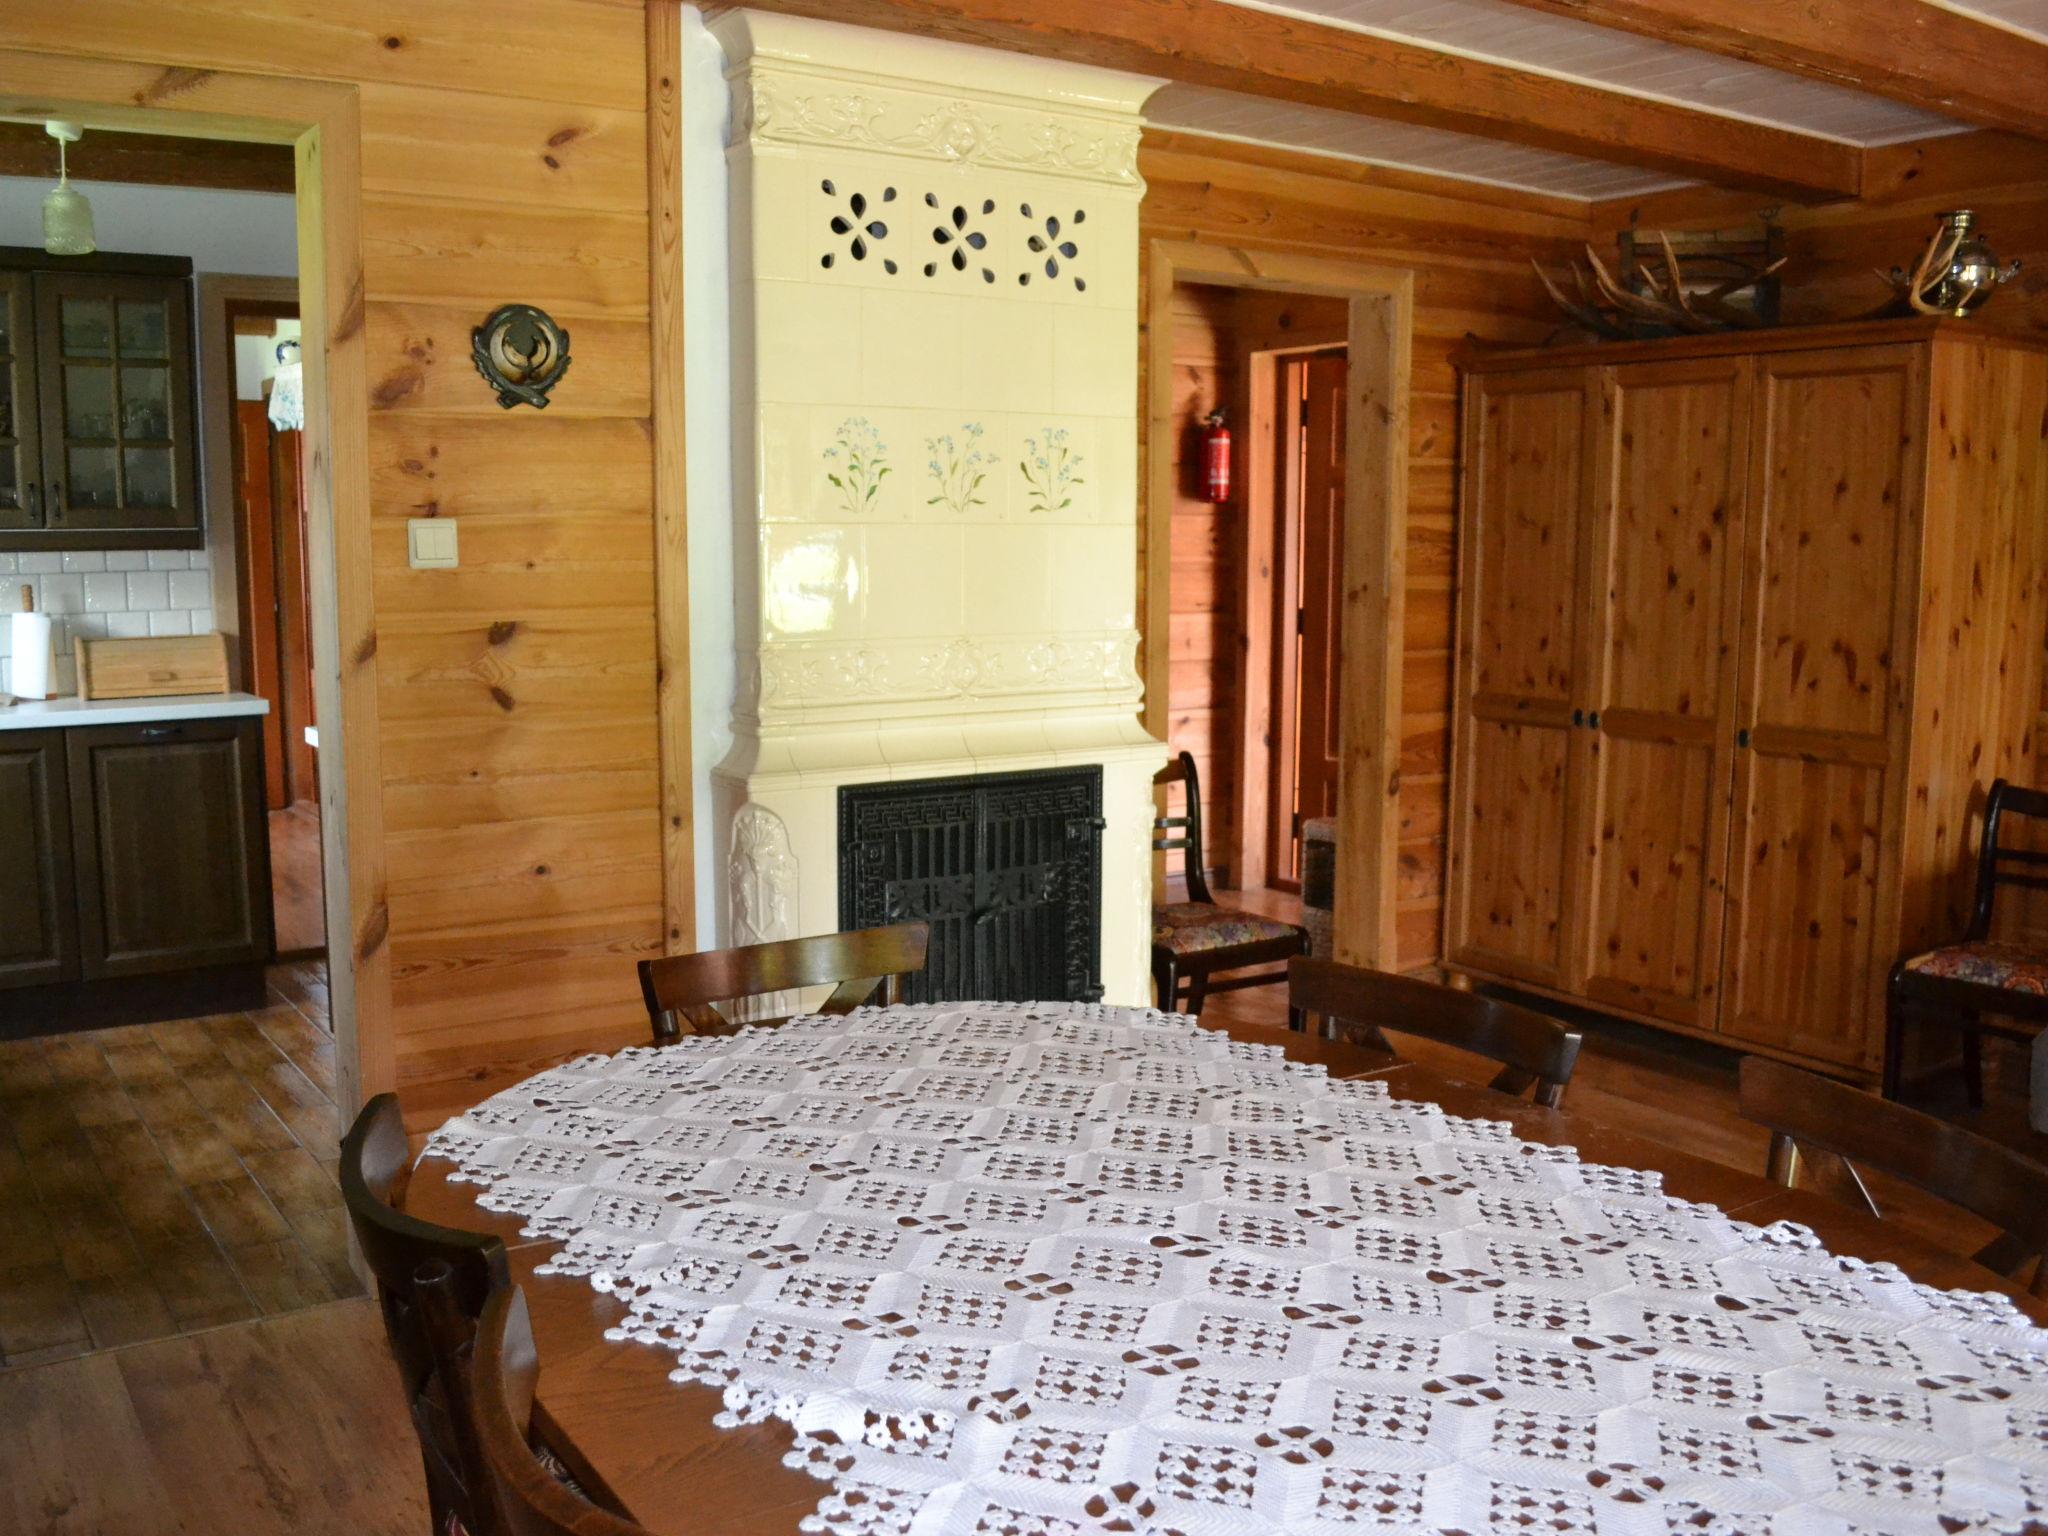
x=935 y=261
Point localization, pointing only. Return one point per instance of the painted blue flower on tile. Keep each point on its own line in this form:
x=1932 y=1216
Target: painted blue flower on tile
x=856 y=463
x=958 y=469
x=1051 y=471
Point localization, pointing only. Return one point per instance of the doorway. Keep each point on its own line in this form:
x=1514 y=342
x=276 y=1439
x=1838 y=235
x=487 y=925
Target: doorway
x=1220 y=322
x=256 y=428
x=1308 y=561
x=1256 y=572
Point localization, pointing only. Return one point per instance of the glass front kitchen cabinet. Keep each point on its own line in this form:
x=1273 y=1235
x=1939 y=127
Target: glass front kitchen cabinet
x=97 y=427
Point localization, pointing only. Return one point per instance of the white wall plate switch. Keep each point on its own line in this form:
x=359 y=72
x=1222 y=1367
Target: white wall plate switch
x=430 y=543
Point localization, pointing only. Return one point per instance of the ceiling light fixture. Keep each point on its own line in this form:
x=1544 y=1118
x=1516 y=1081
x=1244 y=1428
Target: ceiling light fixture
x=67 y=216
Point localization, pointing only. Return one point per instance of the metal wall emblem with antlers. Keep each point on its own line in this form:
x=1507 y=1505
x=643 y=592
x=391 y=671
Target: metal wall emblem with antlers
x=1648 y=303
x=521 y=353
x=1957 y=272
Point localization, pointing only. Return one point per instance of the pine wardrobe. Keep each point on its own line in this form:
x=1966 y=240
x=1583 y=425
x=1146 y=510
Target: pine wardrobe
x=1746 y=627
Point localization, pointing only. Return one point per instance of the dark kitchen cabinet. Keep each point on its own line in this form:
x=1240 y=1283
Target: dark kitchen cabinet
x=98 y=437
x=38 y=936
x=168 y=834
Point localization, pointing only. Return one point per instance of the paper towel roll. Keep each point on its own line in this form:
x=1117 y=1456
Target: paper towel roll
x=31 y=648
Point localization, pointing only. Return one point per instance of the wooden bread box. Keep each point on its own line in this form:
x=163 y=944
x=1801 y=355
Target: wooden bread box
x=153 y=666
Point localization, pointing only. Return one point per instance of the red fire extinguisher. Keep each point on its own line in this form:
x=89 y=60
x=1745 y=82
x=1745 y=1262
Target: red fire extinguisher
x=1216 y=457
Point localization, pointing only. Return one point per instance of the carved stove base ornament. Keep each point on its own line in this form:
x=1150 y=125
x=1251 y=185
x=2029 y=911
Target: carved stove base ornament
x=521 y=353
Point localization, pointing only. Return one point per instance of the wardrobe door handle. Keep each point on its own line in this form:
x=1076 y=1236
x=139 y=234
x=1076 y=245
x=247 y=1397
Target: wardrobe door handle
x=1593 y=720
x=1742 y=737
x=158 y=732
x=53 y=508
x=32 y=499
x=1578 y=717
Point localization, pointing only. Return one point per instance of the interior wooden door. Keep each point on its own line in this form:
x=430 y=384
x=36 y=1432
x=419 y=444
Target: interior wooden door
x=1322 y=590
x=1527 y=461
x=1827 y=617
x=294 y=614
x=1670 y=488
x=256 y=530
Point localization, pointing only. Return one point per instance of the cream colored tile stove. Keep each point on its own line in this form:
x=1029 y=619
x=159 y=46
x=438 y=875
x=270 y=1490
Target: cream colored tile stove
x=935 y=342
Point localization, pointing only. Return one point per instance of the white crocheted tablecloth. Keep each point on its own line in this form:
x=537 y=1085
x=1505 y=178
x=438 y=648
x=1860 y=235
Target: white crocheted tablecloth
x=1051 y=1268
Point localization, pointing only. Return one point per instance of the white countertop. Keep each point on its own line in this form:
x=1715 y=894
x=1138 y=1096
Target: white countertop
x=54 y=714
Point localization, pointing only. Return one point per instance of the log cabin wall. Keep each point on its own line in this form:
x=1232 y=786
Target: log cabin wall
x=1203 y=669
x=504 y=159
x=1469 y=246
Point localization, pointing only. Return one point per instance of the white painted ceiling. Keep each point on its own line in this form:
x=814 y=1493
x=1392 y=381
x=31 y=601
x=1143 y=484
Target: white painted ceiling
x=1575 y=50
x=1381 y=141
x=2029 y=16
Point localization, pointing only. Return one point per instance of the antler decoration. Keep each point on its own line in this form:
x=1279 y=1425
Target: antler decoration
x=1661 y=305
x=1928 y=272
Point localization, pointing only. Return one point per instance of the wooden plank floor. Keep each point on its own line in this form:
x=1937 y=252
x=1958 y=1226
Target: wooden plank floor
x=296 y=895
x=285 y=1425
x=164 y=1178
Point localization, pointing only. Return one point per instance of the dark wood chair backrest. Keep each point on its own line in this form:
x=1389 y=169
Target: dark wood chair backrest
x=1183 y=832
x=2003 y=864
x=374 y=1163
x=497 y=1399
x=1831 y=1128
x=681 y=989
x=1533 y=1051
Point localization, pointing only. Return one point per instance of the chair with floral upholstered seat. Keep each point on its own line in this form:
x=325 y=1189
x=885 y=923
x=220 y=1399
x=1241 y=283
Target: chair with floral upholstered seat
x=1978 y=985
x=1194 y=940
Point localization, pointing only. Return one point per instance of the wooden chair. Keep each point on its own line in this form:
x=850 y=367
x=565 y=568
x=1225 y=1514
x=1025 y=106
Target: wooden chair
x=1192 y=940
x=680 y=989
x=1960 y=984
x=374 y=1165
x=494 y=1370
x=1533 y=1051
x=1831 y=1127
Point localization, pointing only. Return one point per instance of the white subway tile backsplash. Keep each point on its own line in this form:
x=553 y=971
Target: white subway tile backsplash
x=125 y=594
x=149 y=589
x=61 y=594
x=191 y=589
x=201 y=560
x=106 y=592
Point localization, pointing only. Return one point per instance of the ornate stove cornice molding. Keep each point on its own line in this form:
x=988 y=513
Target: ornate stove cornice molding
x=787 y=106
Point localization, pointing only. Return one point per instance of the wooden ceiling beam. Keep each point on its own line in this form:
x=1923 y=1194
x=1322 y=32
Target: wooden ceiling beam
x=1903 y=50
x=149 y=159
x=1285 y=58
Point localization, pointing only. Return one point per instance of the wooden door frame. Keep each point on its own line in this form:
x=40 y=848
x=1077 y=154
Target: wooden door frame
x=219 y=293
x=1382 y=305
x=323 y=121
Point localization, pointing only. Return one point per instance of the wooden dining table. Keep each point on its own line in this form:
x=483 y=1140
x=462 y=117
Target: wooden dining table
x=650 y=1444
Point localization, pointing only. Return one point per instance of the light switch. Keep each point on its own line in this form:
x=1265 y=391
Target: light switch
x=430 y=542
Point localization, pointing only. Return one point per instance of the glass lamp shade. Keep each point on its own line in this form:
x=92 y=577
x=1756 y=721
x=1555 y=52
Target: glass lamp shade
x=67 y=222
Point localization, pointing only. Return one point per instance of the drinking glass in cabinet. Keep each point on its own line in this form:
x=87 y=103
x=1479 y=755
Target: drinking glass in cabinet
x=87 y=327
x=148 y=473
x=145 y=404
x=88 y=401
x=92 y=477
x=144 y=330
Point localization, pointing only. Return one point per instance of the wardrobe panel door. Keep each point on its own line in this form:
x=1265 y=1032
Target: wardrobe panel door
x=1826 y=638
x=1666 y=537
x=1511 y=885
